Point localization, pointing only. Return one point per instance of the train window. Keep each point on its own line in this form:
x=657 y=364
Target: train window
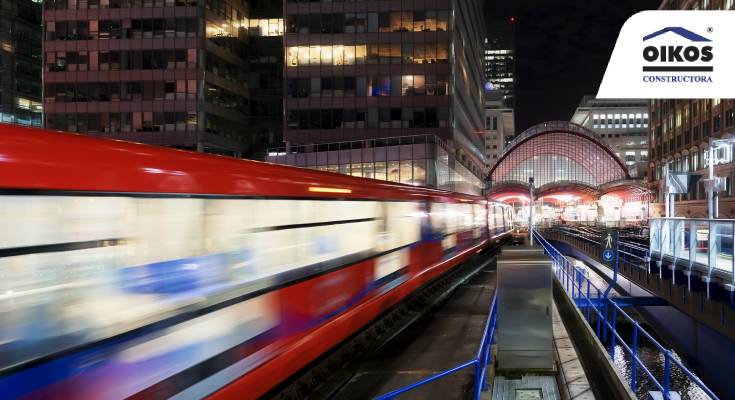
x=437 y=217
x=403 y=225
x=76 y=269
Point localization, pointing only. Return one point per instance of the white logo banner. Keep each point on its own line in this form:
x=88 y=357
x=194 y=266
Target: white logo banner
x=673 y=54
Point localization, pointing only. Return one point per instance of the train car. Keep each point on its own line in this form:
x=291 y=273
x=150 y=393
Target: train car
x=129 y=270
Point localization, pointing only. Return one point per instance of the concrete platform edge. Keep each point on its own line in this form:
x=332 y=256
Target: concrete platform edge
x=607 y=382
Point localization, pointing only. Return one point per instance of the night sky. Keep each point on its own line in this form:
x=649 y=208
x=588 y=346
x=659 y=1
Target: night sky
x=562 y=50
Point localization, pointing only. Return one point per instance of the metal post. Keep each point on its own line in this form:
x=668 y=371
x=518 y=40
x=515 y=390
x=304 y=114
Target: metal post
x=711 y=195
x=667 y=373
x=598 y=314
x=530 y=210
x=667 y=209
x=477 y=387
x=633 y=360
x=589 y=300
x=604 y=321
x=613 y=331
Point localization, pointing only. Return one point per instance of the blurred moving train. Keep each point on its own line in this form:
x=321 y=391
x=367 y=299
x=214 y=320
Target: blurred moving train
x=135 y=271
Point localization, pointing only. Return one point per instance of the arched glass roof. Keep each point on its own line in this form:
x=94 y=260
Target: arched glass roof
x=558 y=151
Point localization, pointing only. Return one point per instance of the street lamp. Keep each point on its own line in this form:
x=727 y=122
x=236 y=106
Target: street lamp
x=530 y=210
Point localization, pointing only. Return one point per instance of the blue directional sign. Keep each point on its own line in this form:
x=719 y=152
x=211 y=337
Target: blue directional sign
x=608 y=246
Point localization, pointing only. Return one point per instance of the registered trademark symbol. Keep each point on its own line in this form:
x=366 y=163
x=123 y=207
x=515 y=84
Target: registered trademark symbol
x=709 y=29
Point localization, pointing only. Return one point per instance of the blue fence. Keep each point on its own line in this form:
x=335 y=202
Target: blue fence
x=480 y=361
x=602 y=313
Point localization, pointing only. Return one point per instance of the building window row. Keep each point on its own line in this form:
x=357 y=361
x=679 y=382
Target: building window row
x=226 y=70
x=21 y=117
x=617 y=121
x=250 y=27
x=224 y=9
x=362 y=86
x=121 y=29
x=143 y=121
x=120 y=91
x=406 y=117
x=121 y=60
x=97 y=4
x=624 y=134
x=397 y=21
x=224 y=98
x=379 y=53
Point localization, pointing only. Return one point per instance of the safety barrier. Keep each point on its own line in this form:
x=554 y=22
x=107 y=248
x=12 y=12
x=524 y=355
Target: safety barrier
x=480 y=361
x=601 y=314
x=631 y=256
x=702 y=244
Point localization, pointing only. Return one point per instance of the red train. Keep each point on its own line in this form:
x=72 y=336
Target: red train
x=135 y=271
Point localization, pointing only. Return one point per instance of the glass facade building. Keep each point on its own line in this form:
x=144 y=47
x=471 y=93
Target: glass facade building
x=166 y=72
x=499 y=59
x=357 y=71
x=681 y=132
x=20 y=62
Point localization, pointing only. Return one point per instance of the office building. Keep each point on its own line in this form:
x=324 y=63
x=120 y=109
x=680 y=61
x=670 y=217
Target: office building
x=622 y=125
x=499 y=59
x=265 y=69
x=681 y=133
x=166 y=72
x=358 y=73
x=20 y=62
x=499 y=126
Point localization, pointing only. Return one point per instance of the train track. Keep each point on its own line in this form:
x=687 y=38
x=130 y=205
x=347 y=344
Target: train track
x=324 y=377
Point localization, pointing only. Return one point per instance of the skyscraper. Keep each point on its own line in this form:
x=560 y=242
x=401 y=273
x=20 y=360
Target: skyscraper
x=358 y=73
x=499 y=59
x=167 y=72
x=20 y=62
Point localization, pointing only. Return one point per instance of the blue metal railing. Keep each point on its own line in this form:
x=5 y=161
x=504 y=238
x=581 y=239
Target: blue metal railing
x=605 y=312
x=480 y=361
x=630 y=254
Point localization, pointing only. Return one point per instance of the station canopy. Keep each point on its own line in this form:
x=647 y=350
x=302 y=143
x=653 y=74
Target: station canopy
x=564 y=159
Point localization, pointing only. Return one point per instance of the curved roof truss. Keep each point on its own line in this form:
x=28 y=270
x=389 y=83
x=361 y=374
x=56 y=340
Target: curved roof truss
x=558 y=151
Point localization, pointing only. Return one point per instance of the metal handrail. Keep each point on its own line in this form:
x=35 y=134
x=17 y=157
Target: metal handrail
x=480 y=361
x=623 y=245
x=574 y=282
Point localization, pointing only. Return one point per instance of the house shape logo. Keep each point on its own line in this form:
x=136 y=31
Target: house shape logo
x=685 y=33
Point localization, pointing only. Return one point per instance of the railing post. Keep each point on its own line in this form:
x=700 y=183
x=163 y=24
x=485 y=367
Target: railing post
x=477 y=388
x=589 y=300
x=598 y=313
x=574 y=284
x=604 y=320
x=667 y=373
x=623 y=263
x=613 y=331
x=633 y=359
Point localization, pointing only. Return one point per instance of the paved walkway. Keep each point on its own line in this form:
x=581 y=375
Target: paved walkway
x=573 y=380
